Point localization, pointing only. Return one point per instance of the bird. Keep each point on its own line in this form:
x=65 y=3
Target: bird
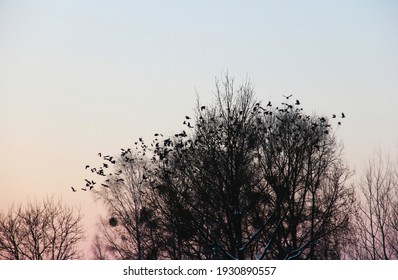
x=334 y=116
x=99 y=154
x=87 y=166
x=91 y=187
x=105 y=165
x=297 y=102
x=269 y=104
x=188 y=118
x=339 y=123
x=83 y=189
x=287 y=97
x=342 y=115
x=73 y=189
x=202 y=108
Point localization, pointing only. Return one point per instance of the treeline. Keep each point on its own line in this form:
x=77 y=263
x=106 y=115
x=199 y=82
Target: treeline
x=242 y=180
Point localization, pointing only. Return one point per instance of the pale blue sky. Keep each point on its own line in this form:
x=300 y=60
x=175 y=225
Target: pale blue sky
x=79 y=77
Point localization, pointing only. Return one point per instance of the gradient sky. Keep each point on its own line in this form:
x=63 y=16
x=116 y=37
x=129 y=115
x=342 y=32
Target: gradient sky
x=82 y=77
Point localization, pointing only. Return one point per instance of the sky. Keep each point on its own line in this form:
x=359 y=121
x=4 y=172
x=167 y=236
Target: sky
x=82 y=77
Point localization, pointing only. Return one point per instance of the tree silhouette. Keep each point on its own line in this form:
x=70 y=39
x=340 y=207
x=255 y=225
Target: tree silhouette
x=242 y=181
x=40 y=231
x=377 y=218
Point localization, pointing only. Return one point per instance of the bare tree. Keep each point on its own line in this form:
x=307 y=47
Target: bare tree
x=253 y=181
x=242 y=181
x=39 y=231
x=377 y=231
x=128 y=230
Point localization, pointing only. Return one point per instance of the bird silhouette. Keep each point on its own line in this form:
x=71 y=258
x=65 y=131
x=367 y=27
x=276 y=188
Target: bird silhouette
x=297 y=102
x=287 y=97
x=83 y=189
x=73 y=189
x=334 y=116
x=202 y=108
x=91 y=187
x=99 y=154
x=188 y=118
x=342 y=115
x=339 y=123
x=269 y=104
x=87 y=166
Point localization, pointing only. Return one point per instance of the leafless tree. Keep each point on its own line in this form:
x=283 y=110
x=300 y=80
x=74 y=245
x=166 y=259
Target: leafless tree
x=127 y=231
x=41 y=231
x=377 y=231
x=252 y=181
x=242 y=181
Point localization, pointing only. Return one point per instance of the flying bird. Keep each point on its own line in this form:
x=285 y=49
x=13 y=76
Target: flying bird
x=297 y=102
x=334 y=116
x=83 y=189
x=339 y=123
x=188 y=118
x=99 y=154
x=87 y=166
x=73 y=189
x=342 y=115
x=202 y=108
x=287 y=97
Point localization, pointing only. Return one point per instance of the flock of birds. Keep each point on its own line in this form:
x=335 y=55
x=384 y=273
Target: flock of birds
x=161 y=152
x=108 y=161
